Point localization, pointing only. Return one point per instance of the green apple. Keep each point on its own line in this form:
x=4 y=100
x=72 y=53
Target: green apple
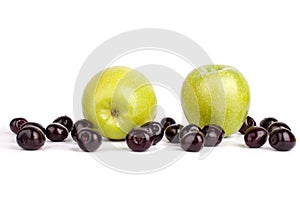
x=216 y=94
x=118 y=99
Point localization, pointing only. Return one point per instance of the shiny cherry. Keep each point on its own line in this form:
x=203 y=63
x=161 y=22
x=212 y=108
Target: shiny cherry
x=65 y=121
x=247 y=124
x=255 y=136
x=16 y=124
x=193 y=141
x=56 y=132
x=167 y=121
x=277 y=125
x=189 y=128
x=138 y=139
x=30 y=138
x=214 y=134
x=172 y=132
x=35 y=125
x=78 y=125
x=88 y=140
x=282 y=139
x=155 y=129
x=266 y=122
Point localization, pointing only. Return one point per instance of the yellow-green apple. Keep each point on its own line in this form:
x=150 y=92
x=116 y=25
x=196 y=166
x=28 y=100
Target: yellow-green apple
x=216 y=94
x=118 y=99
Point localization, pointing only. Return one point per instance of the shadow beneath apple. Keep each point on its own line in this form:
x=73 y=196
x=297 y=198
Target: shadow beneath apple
x=228 y=143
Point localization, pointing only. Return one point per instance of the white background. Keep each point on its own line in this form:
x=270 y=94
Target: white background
x=42 y=48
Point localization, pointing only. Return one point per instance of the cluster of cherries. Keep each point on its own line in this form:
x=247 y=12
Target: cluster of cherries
x=32 y=135
x=191 y=137
x=280 y=136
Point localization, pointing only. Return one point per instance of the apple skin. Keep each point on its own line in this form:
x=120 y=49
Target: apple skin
x=118 y=99
x=216 y=94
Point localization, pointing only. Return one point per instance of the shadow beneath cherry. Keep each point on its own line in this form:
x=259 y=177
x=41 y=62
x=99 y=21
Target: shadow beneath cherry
x=241 y=145
x=76 y=149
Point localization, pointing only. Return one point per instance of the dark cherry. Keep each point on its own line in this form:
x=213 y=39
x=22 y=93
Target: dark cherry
x=155 y=129
x=16 y=124
x=138 y=139
x=172 y=133
x=277 y=125
x=31 y=138
x=36 y=125
x=192 y=141
x=214 y=135
x=89 y=140
x=167 y=121
x=247 y=124
x=78 y=125
x=266 y=122
x=255 y=136
x=56 y=132
x=189 y=128
x=65 y=121
x=282 y=139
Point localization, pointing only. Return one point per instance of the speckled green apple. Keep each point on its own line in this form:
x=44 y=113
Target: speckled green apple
x=118 y=99
x=216 y=94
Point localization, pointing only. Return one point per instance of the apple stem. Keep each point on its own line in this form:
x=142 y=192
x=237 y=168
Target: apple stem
x=114 y=112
